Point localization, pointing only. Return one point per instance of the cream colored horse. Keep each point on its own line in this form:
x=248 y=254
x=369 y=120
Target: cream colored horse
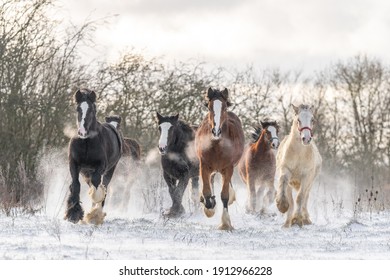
x=298 y=163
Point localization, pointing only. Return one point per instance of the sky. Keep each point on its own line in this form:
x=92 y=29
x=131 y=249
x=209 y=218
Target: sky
x=305 y=35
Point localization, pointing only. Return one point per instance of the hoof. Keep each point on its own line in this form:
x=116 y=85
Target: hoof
x=174 y=212
x=307 y=221
x=297 y=220
x=226 y=224
x=225 y=227
x=74 y=214
x=96 y=216
x=266 y=214
x=209 y=212
x=282 y=204
x=250 y=211
x=287 y=224
x=208 y=205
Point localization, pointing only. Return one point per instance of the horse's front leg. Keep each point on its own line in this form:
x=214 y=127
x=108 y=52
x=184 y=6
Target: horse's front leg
x=227 y=197
x=269 y=196
x=97 y=192
x=195 y=192
x=74 y=211
x=301 y=215
x=251 y=189
x=207 y=198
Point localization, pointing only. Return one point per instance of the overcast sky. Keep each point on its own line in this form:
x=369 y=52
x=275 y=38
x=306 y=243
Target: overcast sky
x=289 y=34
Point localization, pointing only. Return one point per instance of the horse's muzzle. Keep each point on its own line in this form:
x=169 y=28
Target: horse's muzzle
x=216 y=133
x=82 y=134
x=306 y=140
x=162 y=150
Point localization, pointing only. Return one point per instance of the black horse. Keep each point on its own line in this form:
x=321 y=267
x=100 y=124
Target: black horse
x=94 y=153
x=178 y=160
x=131 y=147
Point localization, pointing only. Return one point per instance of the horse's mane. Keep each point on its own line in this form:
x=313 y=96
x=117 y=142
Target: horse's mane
x=255 y=135
x=186 y=128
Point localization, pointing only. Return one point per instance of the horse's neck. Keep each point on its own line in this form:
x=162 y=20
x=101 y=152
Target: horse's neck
x=262 y=143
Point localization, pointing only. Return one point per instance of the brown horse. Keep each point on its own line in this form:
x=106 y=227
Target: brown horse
x=130 y=148
x=257 y=166
x=219 y=145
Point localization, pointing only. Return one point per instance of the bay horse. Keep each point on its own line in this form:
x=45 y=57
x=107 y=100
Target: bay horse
x=298 y=163
x=178 y=160
x=258 y=164
x=219 y=145
x=94 y=153
x=131 y=147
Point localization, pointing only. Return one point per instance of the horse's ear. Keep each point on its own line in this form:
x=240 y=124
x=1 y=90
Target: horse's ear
x=176 y=117
x=92 y=96
x=262 y=124
x=159 y=117
x=78 y=96
x=296 y=109
x=210 y=93
x=225 y=94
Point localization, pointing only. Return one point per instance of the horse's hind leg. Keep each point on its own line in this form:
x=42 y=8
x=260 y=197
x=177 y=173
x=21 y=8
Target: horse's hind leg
x=226 y=192
x=74 y=211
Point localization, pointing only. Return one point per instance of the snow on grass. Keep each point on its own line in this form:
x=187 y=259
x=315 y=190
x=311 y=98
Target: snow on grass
x=135 y=229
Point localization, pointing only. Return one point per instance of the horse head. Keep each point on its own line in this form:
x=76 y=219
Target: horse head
x=304 y=120
x=166 y=126
x=271 y=128
x=114 y=120
x=86 y=112
x=217 y=103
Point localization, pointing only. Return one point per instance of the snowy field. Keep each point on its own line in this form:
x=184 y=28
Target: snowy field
x=135 y=229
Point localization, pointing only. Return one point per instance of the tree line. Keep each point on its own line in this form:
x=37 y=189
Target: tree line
x=41 y=67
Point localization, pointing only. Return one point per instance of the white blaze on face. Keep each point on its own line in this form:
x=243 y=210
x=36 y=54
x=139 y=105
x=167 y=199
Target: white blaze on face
x=84 y=108
x=217 y=113
x=275 y=139
x=114 y=124
x=305 y=117
x=163 y=142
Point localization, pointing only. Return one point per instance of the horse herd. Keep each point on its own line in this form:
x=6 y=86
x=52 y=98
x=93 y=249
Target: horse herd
x=189 y=152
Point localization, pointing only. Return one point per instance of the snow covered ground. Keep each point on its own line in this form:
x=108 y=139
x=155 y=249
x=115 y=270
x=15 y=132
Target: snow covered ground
x=135 y=229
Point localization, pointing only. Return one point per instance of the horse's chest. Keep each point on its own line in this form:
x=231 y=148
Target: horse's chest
x=176 y=165
x=87 y=155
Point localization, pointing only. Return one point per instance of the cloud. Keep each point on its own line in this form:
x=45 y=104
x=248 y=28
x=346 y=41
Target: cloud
x=279 y=33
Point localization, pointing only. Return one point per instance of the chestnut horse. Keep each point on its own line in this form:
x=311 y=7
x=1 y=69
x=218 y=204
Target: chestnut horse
x=219 y=145
x=257 y=166
x=298 y=163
